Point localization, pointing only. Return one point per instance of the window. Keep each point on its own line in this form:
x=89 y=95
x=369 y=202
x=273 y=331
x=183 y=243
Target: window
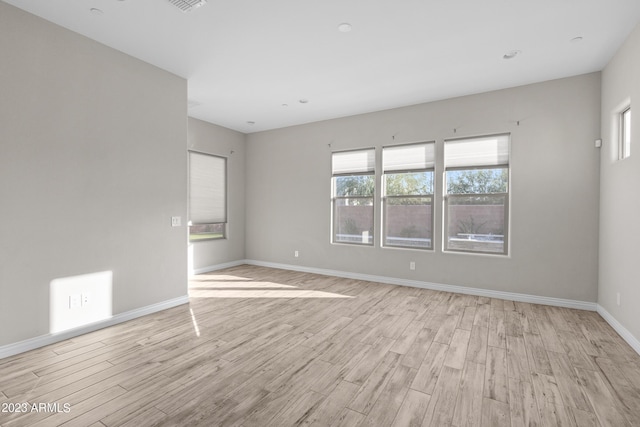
x=477 y=194
x=625 y=133
x=407 y=203
x=353 y=190
x=207 y=196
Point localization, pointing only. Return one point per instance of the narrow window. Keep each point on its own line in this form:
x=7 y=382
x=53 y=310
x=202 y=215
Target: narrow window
x=407 y=202
x=477 y=194
x=625 y=133
x=207 y=196
x=353 y=191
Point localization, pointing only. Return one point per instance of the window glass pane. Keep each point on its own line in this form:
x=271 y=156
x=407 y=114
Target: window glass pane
x=355 y=185
x=206 y=231
x=353 y=220
x=408 y=221
x=476 y=223
x=477 y=181
x=411 y=183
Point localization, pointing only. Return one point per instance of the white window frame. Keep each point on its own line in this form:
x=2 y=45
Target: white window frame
x=500 y=159
x=408 y=159
x=207 y=196
x=353 y=166
x=624 y=132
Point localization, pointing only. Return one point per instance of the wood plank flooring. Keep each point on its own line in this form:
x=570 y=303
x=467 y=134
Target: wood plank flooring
x=265 y=347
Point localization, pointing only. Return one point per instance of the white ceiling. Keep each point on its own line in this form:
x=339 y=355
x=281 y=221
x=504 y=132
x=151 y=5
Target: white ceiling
x=244 y=59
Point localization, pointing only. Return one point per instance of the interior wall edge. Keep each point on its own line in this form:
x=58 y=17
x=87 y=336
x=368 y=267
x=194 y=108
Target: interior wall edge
x=621 y=330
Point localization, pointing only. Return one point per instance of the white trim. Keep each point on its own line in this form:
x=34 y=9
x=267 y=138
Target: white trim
x=215 y=267
x=41 y=341
x=533 y=299
x=621 y=330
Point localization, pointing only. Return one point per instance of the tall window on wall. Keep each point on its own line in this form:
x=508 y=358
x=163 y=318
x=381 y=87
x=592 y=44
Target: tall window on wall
x=477 y=194
x=353 y=190
x=407 y=202
x=207 y=196
x=625 y=133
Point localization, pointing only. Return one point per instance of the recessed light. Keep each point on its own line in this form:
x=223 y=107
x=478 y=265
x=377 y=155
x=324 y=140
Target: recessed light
x=576 y=39
x=511 y=54
x=96 y=11
x=345 y=27
x=303 y=101
x=285 y=105
x=249 y=122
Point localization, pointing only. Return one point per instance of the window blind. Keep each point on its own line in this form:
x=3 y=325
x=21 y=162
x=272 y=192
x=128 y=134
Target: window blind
x=475 y=152
x=351 y=162
x=411 y=157
x=207 y=189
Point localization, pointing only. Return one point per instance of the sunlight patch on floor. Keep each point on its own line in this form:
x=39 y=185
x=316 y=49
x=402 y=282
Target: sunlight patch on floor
x=230 y=286
x=195 y=323
x=262 y=293
x=241 y=285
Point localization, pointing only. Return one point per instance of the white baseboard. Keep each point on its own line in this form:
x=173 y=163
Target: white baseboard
x=533 y=299
x=217 y=267
x=41 y=341
x=621 y=330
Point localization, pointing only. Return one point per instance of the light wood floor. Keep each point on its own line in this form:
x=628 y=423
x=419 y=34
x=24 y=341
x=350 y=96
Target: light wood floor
x=263 y=347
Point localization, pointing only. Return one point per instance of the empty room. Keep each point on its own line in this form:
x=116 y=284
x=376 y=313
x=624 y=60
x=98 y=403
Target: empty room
x=324 y=213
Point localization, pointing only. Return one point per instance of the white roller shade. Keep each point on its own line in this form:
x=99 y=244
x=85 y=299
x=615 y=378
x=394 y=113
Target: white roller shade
x=207 y=189
x=408 y=157
x=348 y=162
x=474 y=152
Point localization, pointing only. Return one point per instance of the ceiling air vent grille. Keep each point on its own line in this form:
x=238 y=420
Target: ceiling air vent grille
x=187 y=5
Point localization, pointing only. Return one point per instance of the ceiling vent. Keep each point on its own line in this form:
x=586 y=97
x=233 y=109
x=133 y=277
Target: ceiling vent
x=187 y=5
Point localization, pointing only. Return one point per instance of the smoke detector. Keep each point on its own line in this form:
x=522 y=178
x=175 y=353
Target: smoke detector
x=187 y=5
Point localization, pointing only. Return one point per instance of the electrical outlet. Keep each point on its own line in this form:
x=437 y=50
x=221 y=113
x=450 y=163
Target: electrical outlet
x=618 y=298
x=75 y=301
x=296 y=254
x=176 y=221
x=412 y=265
x=86 y=299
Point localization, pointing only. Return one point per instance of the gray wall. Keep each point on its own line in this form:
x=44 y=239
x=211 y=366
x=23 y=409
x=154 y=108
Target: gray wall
x=619 y=193
x=93 y=165
x=554 y=203
x=208 y=138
